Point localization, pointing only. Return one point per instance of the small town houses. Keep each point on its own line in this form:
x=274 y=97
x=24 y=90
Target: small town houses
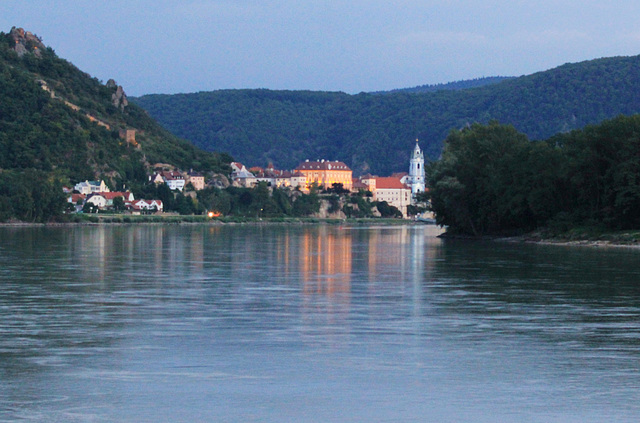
x=98 y=196
x=398 y=190
x=95 y=195
x=107 y=200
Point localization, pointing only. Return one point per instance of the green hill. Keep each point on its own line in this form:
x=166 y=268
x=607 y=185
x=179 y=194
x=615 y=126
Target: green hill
x=60 y=126
x=56 y=118
x=373 y=132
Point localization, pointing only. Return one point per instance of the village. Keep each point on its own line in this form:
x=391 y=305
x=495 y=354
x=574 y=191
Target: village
x=400 y=190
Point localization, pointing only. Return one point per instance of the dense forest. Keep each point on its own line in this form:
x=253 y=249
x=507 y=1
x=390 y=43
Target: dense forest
x=492 y=180
x=49 y=137
x=375 y=133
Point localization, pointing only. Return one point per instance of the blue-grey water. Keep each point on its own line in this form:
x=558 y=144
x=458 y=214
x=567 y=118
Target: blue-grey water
x=313 y=324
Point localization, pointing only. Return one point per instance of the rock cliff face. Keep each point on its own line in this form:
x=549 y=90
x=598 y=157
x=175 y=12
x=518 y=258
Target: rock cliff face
x=119 y=98
x=26 y=42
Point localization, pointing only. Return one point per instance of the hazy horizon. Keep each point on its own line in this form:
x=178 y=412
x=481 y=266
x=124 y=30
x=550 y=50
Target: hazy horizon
x=349 y=46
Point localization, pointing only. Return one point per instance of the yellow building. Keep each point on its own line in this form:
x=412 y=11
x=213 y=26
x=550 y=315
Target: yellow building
x=196 y=179
x=325 y=173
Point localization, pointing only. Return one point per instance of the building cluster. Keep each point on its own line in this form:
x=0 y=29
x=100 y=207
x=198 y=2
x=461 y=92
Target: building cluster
x=398 y=190
x=178 y=180
x=97 y=195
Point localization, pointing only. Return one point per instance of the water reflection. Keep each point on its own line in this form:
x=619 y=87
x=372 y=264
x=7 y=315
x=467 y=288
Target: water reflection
x=236 y=323
x=580 y=297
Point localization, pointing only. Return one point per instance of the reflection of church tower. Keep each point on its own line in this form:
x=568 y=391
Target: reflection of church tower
x=416 y=170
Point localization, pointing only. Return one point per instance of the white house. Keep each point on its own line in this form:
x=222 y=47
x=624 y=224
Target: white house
x=241 y=176
x=394 y=192
x=97 y=200
x=90 y=187
x=173 y=179
x=147 y=205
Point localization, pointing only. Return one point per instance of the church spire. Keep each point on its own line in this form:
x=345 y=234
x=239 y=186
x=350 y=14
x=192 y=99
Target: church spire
x=416 y=170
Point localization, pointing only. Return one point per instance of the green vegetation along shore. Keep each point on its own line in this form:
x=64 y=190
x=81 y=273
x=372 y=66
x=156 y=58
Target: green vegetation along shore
x=491 y=180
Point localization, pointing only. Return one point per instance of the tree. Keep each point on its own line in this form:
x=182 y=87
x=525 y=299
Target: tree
x=118 y=204
x=337 y=188
x=387 y=210
x=475 y=187
x=89 y=208
x=306 y=205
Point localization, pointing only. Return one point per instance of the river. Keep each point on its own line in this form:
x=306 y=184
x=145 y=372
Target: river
x=313 y=323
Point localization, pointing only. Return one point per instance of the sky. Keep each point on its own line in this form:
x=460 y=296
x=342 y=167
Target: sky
x=161 y=46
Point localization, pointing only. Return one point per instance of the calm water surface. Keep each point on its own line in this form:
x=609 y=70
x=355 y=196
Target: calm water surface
x=313 y=324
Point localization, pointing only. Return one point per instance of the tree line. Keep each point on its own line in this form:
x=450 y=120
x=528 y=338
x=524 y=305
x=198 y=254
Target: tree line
x=491 y=179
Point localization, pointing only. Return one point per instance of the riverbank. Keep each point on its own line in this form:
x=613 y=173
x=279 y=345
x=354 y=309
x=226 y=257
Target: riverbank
x=113 y=219
x=579 y=237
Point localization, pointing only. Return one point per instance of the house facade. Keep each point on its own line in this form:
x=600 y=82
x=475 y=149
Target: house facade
x=325 y=173
x=173 y=179
x=104 y=200
x=394 y=192
x=90 y=187
x=147 y=205
x=196 y=179
x=241 y=177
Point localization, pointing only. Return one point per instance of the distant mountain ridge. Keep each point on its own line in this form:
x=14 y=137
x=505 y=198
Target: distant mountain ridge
x=449 y=86
x=375 y=133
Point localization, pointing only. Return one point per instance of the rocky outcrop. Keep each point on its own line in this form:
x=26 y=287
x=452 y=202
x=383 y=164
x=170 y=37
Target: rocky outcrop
x=26 y=42
x=325 y=206
x=118 y=98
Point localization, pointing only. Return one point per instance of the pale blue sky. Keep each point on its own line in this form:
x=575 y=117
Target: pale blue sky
x=163 y=46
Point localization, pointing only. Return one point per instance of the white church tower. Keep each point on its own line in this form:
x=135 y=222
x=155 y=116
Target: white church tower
x=416 y=171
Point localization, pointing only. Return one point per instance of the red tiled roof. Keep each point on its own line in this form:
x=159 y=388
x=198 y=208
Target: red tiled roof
x=399 y=174
x=358 y=185
x=112 y=195
x=171 y=175
x=390 y=182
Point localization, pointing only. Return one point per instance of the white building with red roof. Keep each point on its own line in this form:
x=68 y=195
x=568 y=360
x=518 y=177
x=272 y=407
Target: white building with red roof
x=147 y=205
x=394 y=192
x=104 y=200
x=241 y=177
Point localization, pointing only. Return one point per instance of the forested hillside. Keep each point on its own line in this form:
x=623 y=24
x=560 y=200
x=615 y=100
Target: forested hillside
x=60 y=126
x=375 y=133
x=449 y=86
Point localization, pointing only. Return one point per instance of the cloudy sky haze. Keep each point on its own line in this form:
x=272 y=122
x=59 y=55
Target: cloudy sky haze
x=166 y=46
